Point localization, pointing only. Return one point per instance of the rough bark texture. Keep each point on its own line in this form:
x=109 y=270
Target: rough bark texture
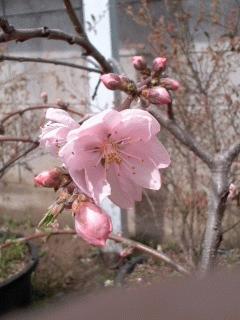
x=217 y=197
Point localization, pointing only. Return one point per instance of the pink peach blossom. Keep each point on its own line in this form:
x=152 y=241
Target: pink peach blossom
x=92 y=223
x=54 y=132
x=116 y=154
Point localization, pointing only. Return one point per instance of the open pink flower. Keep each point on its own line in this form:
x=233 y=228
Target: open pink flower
x=54 y=132
x=116 y=154
x=92 y=223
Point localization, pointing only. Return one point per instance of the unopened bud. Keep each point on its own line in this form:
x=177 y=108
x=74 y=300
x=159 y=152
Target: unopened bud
x=49 y=178
x=159 y=64
x=157 y=95
x=127 y=84
x=112 y=81
x=92 y=223
x=60 y=103
x=139 y=63
x=169 y=84
x=44 y=96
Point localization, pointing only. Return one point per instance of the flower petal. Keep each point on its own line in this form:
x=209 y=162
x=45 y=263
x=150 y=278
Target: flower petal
x=52 y=138
x=97 y=183
x=61 y=116
x=138 y=124
x=80 y=153
x=152 y=149
x=107 y=118
x=78 y=177
x=124 y=192
x=141 y=169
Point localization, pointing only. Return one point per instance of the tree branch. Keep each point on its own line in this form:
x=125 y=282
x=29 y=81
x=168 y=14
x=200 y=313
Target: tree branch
x=149 y=250
x=38 y=107
x=116 y=238
x=182 y=135
x=231 y=153
x=16 y=139
x=11 y=162
x=231 y=227
x=10 y=33
x=74 y=19
x=48 y=61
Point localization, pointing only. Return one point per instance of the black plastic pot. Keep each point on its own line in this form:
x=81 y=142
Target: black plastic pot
x=16 y=291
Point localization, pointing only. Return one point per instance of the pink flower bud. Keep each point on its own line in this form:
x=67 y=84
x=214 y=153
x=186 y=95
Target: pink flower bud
x=112 y=81
x=157 y=95
x=49 y=179
x=169 y=83
x=44 y=96
x=159 y=64
x=92 y=223
x=139 y=63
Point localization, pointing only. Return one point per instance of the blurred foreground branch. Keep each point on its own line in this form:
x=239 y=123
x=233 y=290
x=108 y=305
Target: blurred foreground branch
x=117 y=238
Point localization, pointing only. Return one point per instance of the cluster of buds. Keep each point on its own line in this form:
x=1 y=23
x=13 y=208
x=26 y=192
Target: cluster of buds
x=156 y=90
x=154 y=86
x=91 y=223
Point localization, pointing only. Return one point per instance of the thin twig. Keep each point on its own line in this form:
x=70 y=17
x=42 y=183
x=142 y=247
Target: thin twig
x=16 y=139
x=11 y=162
x=232 y=152
x=36 y=235
x=231 y=227
x=39 y=107
x=182 y=135
x=74 y=19
x=126 y=103
x=152 y=252
x=10 y=33
x=48 y=61
x=96 y=89
x=116 y=238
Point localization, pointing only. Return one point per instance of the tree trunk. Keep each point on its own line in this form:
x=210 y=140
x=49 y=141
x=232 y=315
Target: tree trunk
x=217 y=197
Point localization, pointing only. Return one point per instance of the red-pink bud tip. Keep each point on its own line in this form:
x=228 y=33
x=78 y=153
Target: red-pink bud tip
x=159 y=64
x=157 y=95
x=170 y=84
x=49 y=179
x=112 y=81
x=139 y=63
